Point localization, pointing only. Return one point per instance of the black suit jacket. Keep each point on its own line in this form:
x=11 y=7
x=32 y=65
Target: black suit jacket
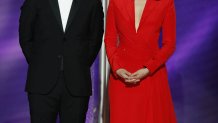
x=43 y=42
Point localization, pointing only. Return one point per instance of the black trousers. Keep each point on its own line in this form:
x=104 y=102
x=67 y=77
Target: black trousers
x=44 y=108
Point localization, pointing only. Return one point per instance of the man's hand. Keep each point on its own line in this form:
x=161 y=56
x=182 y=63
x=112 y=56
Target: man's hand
x=138 y=75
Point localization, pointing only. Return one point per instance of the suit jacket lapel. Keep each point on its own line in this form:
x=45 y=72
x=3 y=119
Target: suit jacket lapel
x=73 y=11
x=56 y=11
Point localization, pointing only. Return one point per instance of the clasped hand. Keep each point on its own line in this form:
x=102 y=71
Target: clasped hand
x=132 y=77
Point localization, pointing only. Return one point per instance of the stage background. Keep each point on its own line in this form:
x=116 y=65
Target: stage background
x=193 y=69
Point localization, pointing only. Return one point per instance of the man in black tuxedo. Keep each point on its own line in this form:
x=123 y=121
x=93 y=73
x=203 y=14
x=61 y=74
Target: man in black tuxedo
x=60 y=40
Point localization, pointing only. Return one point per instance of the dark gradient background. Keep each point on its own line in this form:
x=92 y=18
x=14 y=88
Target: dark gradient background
x=193 y=69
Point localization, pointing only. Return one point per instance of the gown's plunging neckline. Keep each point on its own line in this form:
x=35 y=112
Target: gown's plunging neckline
x=134 y=12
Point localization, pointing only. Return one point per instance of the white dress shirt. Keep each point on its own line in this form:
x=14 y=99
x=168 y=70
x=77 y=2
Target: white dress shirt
x=65 y=6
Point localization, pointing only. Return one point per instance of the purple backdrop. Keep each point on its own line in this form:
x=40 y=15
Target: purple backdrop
x=193 y=69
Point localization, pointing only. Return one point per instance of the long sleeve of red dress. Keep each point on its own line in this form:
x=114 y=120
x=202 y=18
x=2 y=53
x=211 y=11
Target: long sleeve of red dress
x=169 y=40
x=111 y=39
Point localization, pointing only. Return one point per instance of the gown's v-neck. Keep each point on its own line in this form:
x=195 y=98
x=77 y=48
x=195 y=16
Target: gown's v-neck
x=140 y=18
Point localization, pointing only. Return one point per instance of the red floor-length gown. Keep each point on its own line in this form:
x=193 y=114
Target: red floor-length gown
x=131 y=49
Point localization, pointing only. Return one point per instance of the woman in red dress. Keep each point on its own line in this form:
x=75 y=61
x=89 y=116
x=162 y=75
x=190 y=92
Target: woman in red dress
x=138 y=83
